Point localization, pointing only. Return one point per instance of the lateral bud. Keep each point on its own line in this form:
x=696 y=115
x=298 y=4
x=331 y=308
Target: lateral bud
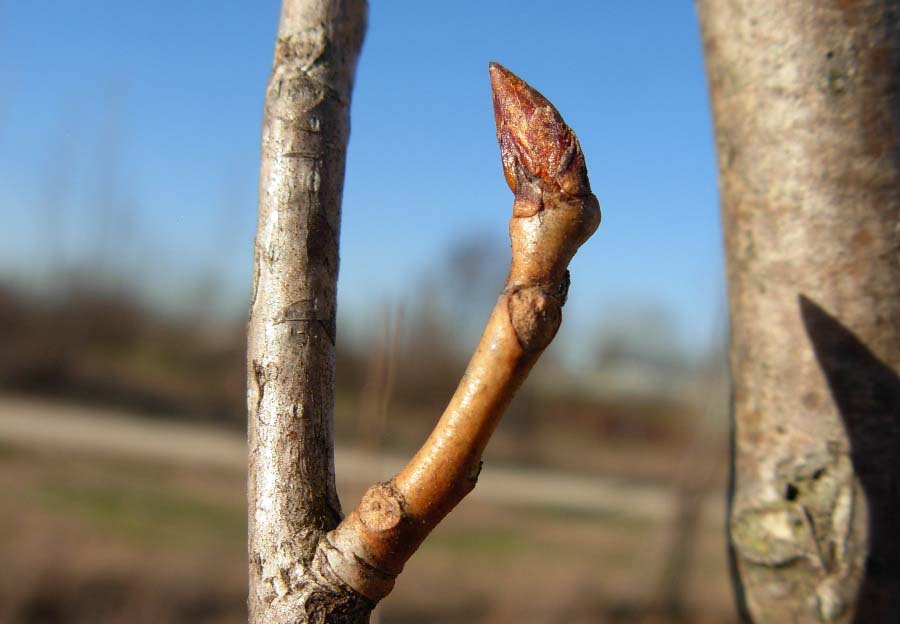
x=535 y=317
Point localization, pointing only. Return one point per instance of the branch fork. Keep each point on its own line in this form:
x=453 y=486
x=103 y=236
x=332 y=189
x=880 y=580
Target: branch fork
x=554 y=212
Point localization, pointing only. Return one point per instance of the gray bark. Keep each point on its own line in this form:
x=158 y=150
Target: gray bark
x=291 y=335
x=806 y=101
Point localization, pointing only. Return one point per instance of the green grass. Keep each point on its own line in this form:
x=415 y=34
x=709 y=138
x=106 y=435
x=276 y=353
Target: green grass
x=8 y=451
x=146 y=515
x=481 y=542
x=610 y=518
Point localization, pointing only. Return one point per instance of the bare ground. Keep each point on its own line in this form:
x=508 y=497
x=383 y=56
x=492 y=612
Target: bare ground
x=110 y=517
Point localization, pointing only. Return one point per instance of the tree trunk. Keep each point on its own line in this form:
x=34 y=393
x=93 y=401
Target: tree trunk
x=292 y=495
x=806 y=101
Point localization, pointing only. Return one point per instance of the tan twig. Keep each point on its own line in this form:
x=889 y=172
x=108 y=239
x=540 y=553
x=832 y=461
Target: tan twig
x=554 y=212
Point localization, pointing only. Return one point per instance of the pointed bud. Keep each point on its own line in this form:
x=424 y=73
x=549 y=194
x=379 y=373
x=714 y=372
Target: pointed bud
x=534 y=138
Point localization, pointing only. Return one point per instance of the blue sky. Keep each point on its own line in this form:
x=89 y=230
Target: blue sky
x=151 y=111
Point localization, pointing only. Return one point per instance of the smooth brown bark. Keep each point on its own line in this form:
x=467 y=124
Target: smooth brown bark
x=806 y=101
x=554 y=212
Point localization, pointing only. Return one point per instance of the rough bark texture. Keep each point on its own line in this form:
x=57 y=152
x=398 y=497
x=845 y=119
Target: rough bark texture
x=292 y=495
x=806 y=101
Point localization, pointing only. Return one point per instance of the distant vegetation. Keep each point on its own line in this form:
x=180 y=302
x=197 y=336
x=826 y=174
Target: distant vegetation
x=108 y=348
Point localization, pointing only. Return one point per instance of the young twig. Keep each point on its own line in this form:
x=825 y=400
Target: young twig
x=554 y=212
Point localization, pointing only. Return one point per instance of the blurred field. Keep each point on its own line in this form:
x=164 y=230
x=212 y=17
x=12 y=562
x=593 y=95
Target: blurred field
x=100 y=527
x=123 y=454
x=130 y=212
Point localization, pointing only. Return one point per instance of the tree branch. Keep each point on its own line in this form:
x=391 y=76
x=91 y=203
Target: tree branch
x=554 y=212
x=290 y=350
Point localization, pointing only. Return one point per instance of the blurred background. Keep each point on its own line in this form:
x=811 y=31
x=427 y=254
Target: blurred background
x=129 y=139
